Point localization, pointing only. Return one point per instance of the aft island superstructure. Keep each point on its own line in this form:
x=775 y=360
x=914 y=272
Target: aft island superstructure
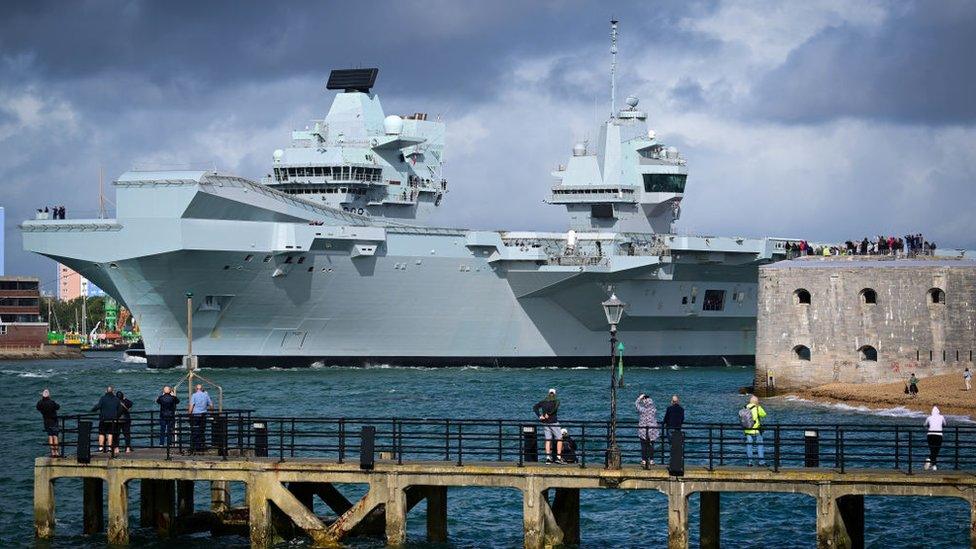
x=326 y=260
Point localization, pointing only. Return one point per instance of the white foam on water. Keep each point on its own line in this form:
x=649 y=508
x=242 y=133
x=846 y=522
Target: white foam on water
x=131 y=359
x=895 y=411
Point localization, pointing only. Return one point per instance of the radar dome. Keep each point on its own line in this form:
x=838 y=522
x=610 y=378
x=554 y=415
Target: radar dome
x=579 y=149
x=651 y=134
x=392 y=125
x=278 y=154
x=632 y=101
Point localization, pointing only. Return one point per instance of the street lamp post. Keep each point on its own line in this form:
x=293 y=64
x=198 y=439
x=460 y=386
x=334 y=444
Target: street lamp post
x=614 y=309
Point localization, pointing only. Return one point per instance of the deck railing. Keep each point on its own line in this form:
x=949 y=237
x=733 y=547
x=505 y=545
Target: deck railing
x=241 y=433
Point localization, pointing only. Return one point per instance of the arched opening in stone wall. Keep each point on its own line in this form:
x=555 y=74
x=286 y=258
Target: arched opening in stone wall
x=801 y=297
x=937 y=296
x=801 y=352
x=869 y=296
x=867 y=353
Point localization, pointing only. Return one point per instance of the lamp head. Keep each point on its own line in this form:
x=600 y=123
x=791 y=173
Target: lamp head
x=614 y=309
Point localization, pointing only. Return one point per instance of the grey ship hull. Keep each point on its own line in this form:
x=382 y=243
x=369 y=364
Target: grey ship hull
x=278 y=281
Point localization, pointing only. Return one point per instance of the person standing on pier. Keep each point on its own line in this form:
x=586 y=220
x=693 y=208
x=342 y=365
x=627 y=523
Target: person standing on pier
x=913 y=386
x=200 y=404
x=548 y=409
x=751 y=418
x=167 y=415
x=49 y=412
x=935 y=423
x=674 y=417
x=108 y=416
x=647 y=429
x=125 y=421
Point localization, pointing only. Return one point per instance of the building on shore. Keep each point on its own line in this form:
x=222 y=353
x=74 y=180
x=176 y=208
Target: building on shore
x=72 y=285
x=20 y=320
x=863 y=320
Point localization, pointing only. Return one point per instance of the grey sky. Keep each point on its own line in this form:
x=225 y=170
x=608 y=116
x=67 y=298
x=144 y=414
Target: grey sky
x=823 y=120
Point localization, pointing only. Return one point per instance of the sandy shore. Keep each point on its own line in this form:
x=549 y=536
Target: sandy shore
x=945 y=391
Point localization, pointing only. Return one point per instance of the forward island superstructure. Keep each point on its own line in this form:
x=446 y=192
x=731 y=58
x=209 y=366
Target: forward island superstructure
x=327 y=260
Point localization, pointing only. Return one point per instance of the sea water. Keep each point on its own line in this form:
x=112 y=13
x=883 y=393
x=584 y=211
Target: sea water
x=477 y=517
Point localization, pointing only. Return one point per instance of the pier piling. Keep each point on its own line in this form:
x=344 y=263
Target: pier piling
x=709 y=527
x=43 y=505
x=118 y=507
x=93 y=503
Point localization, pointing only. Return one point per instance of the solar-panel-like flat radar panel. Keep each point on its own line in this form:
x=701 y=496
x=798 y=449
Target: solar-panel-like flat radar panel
x=352 y=79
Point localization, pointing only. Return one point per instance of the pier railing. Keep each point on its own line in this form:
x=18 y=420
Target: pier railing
x=241 y=433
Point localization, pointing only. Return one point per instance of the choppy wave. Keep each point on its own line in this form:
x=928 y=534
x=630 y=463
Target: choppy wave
x=131 y=359
x=895 y=411
x=22 y=373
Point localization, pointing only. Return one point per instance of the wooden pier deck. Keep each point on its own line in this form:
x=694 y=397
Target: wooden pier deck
x=394 y=488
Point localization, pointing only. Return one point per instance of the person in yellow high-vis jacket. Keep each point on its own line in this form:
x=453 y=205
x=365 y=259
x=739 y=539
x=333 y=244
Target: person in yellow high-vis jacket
x=754 y=435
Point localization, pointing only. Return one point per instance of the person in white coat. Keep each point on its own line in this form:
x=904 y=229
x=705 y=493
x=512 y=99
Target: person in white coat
x=935 y=423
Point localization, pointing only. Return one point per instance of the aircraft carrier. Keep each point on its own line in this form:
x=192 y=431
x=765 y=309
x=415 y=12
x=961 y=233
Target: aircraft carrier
x=327 y=260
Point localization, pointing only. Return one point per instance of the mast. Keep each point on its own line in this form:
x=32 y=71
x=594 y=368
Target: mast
x=613 y=67
x=101 y=196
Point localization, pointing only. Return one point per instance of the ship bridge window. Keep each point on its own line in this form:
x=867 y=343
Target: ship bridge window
x=801 y=297
x=867 y=353
x=869 y=296
x=936 y=296
x=664 y=182
x=801 y=352
x=714 y=300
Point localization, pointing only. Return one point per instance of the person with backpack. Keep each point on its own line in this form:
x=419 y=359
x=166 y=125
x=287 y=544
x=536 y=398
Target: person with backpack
x=548 y=409
x=750 y=418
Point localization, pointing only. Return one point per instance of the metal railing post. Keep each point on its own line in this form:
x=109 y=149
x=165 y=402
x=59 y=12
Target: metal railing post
x=836 y=446
x=342 y=439
x=776 y=449
x=292 y=452
x=582 y=447
x=460 y=443
x=909 y=452
x=840 y=433
x=711 y=465
x=281 y=440
x=398 y=429
x=499 y=441
x=447 y=440
x=521 y=447
x=721 y=445
x=897 y=448
x=957 y=448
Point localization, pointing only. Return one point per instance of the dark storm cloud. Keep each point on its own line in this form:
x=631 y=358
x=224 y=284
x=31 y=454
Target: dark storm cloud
x=917 y=68
x=198 y=48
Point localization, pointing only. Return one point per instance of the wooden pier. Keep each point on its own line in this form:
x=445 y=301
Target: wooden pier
x=550 y=495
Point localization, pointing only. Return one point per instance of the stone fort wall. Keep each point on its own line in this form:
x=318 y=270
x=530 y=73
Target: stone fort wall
x=827 y=320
